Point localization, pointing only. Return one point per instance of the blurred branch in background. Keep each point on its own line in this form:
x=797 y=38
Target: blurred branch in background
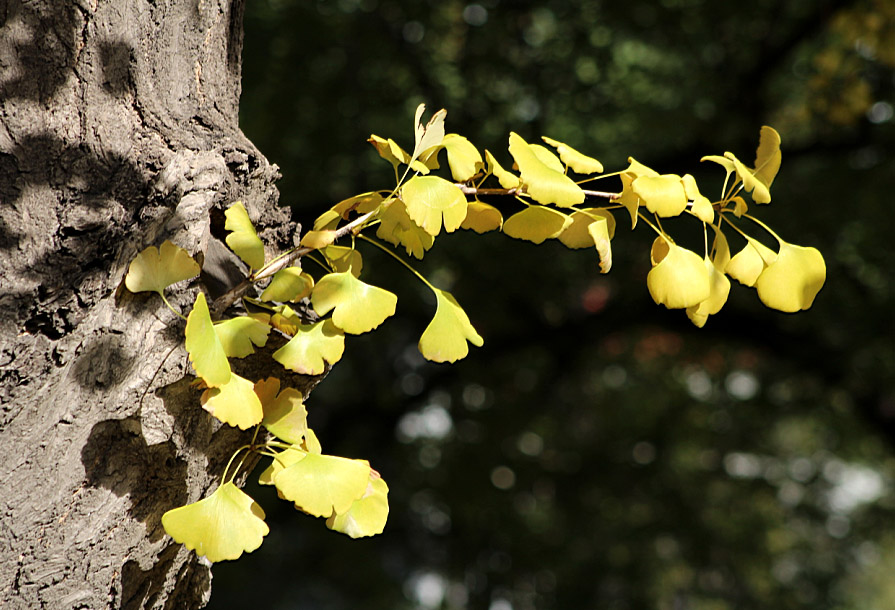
x=600 y=452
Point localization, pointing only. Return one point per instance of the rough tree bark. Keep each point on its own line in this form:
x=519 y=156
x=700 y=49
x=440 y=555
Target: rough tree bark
x=118 y=129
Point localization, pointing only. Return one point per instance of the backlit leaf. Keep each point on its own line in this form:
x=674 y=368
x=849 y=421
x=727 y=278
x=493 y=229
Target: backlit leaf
x=343 y=258
x=793 y=279
x=679 y=278
x=289 y=284
x=396 y=228
x=547 y=157
x=323 y=484
x=357 y=307
x=318 y=239
x=234 y=403
x=243 y=239
x=431 y=200
x=719 y=291
x=508 y=180
x=312 y=347
x=444 y=340
x=702 y=207
x=580 y=163
x=481 y=217
x=154 y=269
x=463 y=158
x=428 y=135
x=285 y=415
x=747 y=264
x=629 y=199
x=575 y=235
x=536 y=223
x=368 y=515
x=284 y=459
x=545 y=185
x=206 y=353
x=222 y=526
x=599 y=233
x=238 y=334
x=663 y=195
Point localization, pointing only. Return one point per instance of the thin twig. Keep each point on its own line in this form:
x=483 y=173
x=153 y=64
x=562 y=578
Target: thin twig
x=471 y=190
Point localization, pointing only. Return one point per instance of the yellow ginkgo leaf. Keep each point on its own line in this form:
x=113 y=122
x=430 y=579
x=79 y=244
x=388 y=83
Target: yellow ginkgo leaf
x=206 y=353
x=432 y=201
x=575 y=235
x=444 y=340
x=283 y=459
x=544 y=184
x=285 y=415
x=768 y=156
x=463 y=158
x=285 y=320
x=327 y=221
x=629 y=199
x=724 y=162
x=663 y=195
x=481 y=217
x=536 y=223
x=223 y=526
x=368 y=515
x=580 y=163
x=546 y=156
x=396 y=228
x=154 y=269
x=357 y=307
x=739 y=206
x=702 y=207
x=312 y=347
x=238 y=334
x=747 y=264
x=243 y=239
x=363 y=203
x=321 y=485
x=318 y=239
x=289 y=284
x=508 y=180
x=793 y=279
x=719 y=291
x=429 y=135
x=679 y=278
x=599 y=233
x=234 y=403
x=343 y=258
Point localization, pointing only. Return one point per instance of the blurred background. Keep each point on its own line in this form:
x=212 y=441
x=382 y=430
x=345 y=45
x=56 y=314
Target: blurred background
x=599 y=451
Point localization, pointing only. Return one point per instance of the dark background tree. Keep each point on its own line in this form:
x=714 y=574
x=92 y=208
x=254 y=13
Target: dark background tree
x=599 y=451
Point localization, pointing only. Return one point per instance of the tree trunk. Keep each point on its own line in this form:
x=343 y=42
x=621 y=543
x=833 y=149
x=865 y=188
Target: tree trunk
x=118 y=129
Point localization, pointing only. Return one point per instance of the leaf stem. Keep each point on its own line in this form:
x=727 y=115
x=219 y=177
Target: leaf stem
x=171 y=307
x=224 y=478
x=399 y=259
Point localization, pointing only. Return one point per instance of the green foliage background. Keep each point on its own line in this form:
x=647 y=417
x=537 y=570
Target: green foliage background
x=599 y=451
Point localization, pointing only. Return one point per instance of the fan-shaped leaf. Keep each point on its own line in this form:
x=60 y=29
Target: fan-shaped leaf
x=508 y=180
x=719 y=290
x=429 y=135
x=463 y=158
x=222 y=526
x=536 y=223
x=747 y=264
x=663 y=195
x=312 y=347
x=396 y=228
x=321 y=485
x=679 y=278
x=357 y=307
x=575 y=235
x=702 y=207
x=283 y=459
x=206 y=353
x=545 y=185
x=431 y=200
x=154 y=269
x=599 y=233
x=368 y=515
x=580 y=163
x=481 y=217
x=318 y=239
x=234 y=403
x=284 y=412
x=238 y=334
x=343 y=258
x=793 y=279
x=444 y=340
x=243 y=239
x=289 y=284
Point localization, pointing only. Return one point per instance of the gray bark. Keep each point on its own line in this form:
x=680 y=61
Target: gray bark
x=118 y=129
